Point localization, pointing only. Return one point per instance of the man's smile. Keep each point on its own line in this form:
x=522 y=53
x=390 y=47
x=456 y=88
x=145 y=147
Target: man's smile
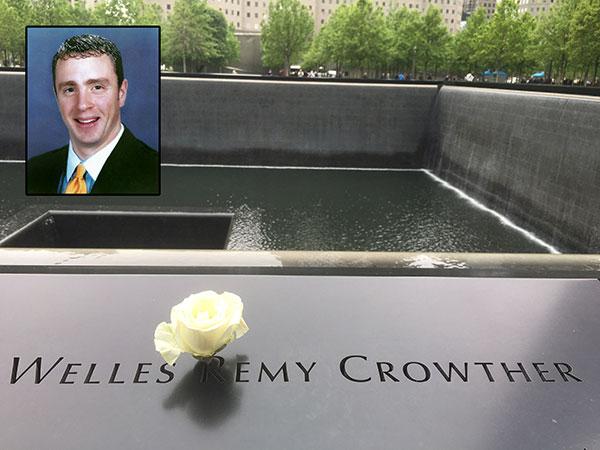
x=87 y=122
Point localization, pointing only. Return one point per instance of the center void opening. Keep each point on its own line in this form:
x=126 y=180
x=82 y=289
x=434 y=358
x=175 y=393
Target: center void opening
x=123 y=229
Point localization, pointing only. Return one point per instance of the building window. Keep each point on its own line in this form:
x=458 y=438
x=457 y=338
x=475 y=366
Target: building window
x=247 y=14
x=168 y=7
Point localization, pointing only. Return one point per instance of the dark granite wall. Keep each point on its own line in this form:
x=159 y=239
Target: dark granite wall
x=221 y=121
x=294 y=123
x=12 y=115
x=534 y=157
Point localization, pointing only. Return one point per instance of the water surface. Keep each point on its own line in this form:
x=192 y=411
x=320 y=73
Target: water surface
x=302 y=209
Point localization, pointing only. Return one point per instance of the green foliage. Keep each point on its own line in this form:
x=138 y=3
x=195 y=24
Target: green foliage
x=505 y=39
x=126 y=12
x=434 y=40
x=584 y=39
x=552 y=37
x=464 y=46
x=286 y=34
x=366 y=38
x=355 y=38
x=405 y=33
x=227 y=46
x=12 y=40
x=196 y=36
x=51 y=12
x=327 y=48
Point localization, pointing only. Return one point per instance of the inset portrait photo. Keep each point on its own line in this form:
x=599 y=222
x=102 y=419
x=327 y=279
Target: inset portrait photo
x=93 y=111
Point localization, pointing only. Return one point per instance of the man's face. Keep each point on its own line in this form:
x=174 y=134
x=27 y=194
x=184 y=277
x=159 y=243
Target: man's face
x=90 y=101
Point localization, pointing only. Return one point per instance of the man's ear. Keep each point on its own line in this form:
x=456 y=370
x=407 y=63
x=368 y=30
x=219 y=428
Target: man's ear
x=122 y=93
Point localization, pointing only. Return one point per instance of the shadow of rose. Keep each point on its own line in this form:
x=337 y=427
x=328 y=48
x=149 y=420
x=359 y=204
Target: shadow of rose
x=208 y=392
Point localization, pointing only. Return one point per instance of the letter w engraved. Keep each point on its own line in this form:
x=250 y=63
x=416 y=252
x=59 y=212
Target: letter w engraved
x=38 y=369
x=452 y=368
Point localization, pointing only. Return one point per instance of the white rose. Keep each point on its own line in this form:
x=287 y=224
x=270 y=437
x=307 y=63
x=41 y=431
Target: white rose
x=202 y=325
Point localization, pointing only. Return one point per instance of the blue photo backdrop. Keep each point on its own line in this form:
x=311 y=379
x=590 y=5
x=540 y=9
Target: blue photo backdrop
x=139 y=48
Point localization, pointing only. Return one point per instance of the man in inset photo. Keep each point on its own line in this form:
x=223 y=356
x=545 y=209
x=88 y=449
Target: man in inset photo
x=102 y=156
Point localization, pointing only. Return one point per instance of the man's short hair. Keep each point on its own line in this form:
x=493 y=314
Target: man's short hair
x=84 y=46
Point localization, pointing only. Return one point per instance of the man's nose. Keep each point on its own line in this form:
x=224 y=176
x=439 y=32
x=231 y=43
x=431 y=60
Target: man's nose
x=84 y=100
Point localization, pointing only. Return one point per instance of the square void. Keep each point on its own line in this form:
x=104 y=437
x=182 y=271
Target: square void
x=120 y=229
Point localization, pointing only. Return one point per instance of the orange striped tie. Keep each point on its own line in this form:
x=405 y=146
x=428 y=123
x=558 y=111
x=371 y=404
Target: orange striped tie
x=77 y=183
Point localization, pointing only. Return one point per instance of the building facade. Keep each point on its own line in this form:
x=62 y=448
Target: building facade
x=470 y=6
x=535 y=7
x=247 y=15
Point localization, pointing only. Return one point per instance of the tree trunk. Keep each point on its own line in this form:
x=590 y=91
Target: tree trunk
x=596 y=69
x=286 y=65
x=565 y=64
x=184 y=64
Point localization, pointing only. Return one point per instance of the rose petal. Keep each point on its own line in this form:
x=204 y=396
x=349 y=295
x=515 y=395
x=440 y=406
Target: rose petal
x=242 y=329
x=165 y=343
x=204 y=323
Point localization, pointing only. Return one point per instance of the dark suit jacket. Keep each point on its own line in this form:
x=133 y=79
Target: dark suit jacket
x=131 y=168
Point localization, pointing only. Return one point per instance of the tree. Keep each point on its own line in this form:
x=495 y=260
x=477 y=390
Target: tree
x=505 y=38
x=126 y=12
x=365 y=37
x=466 y=43
x=553 y=36
x=286 y=34
x=405 y=36
x=227 y=46
x=584 y=39
x=327 y=48
x=355 y=37
x=80 y=14
x=196 y=36
x=11 y=45
x=434 y=40
x=51 y=12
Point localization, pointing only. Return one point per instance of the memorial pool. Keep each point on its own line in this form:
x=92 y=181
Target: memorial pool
x=306 y=209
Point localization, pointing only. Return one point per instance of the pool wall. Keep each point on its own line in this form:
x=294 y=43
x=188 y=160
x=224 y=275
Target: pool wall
x=534 y=157
x=12 y=115
x=216 y=121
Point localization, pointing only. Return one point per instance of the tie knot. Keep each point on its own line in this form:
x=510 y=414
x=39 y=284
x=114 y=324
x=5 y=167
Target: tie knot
x=77 y=184
x=80 y=171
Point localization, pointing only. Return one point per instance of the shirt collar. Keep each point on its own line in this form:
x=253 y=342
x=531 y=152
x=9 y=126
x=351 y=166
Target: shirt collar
x=93 y=165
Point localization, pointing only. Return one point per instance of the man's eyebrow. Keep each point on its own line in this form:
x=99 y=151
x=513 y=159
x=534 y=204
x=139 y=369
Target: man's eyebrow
x=87 y=82
x=66 y=83
x=97 y=81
